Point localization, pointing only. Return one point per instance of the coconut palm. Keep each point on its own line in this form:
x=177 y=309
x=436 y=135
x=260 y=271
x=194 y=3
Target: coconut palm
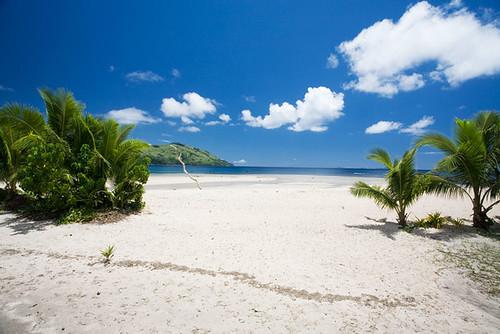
x=66 y=119
x=119 y=154
x=17 y=123
x=470 y=166
x=404 y=184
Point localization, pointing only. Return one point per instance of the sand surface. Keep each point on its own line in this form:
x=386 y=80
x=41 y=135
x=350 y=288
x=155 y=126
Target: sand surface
x=247 y=254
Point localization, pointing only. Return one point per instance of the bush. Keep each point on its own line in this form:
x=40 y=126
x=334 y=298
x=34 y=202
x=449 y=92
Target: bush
x=43 y=178
x=89 y=187
x=63 y=164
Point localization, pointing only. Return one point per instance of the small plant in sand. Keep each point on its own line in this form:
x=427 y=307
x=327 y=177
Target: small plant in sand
x=458 y=222
x=433 y=220
x=108 y=253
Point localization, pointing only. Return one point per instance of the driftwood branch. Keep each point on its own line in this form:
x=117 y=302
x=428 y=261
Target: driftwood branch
x=179 y=158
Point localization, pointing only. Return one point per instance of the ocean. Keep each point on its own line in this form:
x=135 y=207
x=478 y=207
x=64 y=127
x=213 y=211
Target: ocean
x=239 y=170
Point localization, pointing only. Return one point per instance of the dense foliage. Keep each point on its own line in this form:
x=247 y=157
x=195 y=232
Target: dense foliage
x=167 y=155
x=71 y=163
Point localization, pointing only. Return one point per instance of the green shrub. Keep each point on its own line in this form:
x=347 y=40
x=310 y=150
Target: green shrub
x=89 y=187
x=44 y=178
x=62 y=163
x=77 y=216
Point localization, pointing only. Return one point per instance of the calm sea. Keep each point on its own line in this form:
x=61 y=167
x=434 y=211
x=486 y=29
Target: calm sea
x=238 y=170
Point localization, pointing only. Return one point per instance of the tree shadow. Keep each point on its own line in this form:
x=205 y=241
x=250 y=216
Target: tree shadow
x=23 y=224
x=387 y=228
x=446 y=233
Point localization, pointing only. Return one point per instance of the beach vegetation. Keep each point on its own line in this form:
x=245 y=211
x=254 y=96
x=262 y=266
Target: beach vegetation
x=404 y=184
x=71 y=163
x=470 y=167
x=433 y=220
x=107 y=253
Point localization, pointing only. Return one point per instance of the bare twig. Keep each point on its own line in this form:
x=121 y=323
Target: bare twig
x=179 y=158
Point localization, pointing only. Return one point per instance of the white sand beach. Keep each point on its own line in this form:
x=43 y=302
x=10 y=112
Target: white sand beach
x=247 y=254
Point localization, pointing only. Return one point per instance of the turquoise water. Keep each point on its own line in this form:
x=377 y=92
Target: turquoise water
x=239 y=170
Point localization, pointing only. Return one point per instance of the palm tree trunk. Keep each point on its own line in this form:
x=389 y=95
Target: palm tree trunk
x=402 y=217
x=479 y=217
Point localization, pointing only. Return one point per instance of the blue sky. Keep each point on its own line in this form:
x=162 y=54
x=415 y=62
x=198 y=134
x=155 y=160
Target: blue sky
x=230 y=56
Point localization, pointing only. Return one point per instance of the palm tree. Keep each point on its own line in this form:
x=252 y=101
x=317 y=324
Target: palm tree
x=404 y=184
x=17 y=123
x=119 y=154
x=66 y=119
x=471 y=164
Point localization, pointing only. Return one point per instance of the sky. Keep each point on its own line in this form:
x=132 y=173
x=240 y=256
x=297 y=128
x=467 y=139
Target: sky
x=262 y=83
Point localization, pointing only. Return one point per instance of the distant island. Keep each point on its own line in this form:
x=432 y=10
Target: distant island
x=166 y=154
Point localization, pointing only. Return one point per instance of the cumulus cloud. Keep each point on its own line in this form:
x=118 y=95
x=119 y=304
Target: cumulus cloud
x=186 y=120
x=387 y=56
x=131 y=115
x=332 y=61
x=223 y=119
x=417 y=128
x=143 y=76
x=193 y=106
x=319 y=106
x=240 y=162
x=189 y=129
x=420 y=126
x=383 y=126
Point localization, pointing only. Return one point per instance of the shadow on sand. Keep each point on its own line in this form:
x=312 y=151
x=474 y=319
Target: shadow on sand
x=23 y=224
x=446 y=233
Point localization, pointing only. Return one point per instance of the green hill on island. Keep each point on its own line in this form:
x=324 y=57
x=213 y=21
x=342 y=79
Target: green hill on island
x=166 y=154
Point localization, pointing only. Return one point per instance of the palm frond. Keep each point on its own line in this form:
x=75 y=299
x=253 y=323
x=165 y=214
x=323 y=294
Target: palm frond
x=381 y=197
x=381 y=156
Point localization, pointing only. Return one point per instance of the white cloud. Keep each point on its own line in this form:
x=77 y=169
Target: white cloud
x=385 y=56
x=320 y=106
x=225 y=118
x=240 y=162
x=332 y=61
x=189 y=129
x=171 y=123
x=383 y=126
x=419 y=127
x=250 y=98
x=131 y=115
x=455 y=4
x=193 y=106
x=111 y=68
x=186 y=120
x=147 y=76
x=175 y=73
x=6 y=89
